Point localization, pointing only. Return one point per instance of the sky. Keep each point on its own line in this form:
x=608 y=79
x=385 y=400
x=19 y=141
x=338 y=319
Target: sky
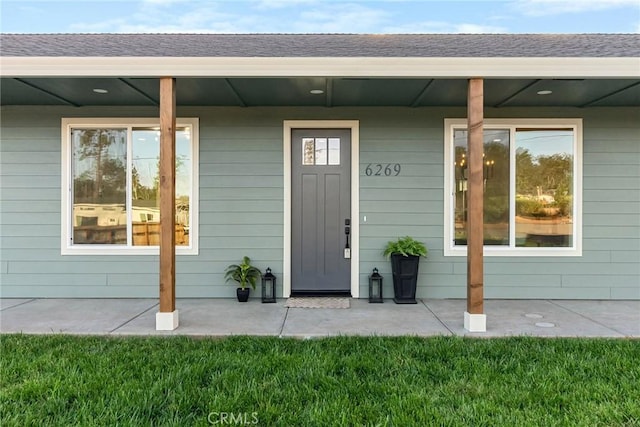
x=320 y=16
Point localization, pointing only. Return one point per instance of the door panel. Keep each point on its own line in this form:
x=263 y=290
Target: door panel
x=321 y=202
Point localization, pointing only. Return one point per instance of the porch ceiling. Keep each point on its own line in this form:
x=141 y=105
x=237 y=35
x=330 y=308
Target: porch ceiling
x=337 y=92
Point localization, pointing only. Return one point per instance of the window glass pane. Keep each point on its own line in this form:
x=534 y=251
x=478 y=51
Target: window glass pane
x=544 y=187
x=461 y=177
x=99 y=186
x=321 y=151
x=496 y=186
x=334 y=151
x=183 y=185
x=308 y=151
x=145 y=176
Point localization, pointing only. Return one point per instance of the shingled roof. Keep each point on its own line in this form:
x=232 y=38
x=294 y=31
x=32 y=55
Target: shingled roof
x=320 y=45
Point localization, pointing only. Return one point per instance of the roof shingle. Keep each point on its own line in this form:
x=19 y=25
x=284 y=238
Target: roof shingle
x=320 y=45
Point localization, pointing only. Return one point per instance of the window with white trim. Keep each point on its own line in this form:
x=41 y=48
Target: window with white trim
x=532 y=180
x=110 y=197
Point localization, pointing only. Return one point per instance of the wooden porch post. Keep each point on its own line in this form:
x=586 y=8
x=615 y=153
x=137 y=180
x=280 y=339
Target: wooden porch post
x=167 y=318
x=474 y=318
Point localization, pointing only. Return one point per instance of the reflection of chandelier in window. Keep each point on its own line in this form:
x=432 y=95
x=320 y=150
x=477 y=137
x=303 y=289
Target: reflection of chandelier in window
x=462 y=170
x=460 y=167
x=488 y=169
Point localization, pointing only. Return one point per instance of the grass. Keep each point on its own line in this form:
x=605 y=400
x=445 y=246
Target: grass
x=344 y=381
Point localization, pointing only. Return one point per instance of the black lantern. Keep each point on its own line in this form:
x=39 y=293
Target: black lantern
x=268 y=287
x=375 y=287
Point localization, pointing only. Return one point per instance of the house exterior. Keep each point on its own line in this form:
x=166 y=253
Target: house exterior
x=284 y=141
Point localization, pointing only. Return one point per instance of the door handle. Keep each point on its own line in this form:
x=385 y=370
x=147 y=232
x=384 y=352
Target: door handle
x=347 y=230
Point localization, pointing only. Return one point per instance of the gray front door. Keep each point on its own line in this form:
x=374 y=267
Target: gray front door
x=320 y=211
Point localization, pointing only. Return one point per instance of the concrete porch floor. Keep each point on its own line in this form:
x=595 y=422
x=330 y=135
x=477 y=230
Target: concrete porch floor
x=223 y=317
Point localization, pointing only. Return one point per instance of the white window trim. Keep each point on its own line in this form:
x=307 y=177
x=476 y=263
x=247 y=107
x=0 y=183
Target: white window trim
x=67 y=248
x=449 y=187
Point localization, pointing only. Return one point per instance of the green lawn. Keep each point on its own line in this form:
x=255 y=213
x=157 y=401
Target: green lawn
x=66 y=380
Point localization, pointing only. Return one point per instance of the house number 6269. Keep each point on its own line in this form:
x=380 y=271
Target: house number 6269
x=378 y=169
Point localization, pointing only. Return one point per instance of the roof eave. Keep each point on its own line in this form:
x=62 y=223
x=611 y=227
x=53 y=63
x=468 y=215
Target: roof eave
x=374 y=67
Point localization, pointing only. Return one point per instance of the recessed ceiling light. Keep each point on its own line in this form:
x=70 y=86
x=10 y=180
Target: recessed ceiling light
x=544 y=92
x=98 y=90
x=316 y=91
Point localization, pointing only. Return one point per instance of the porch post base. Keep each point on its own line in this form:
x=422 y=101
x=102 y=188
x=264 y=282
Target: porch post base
x=166 y=321
x=475 y=322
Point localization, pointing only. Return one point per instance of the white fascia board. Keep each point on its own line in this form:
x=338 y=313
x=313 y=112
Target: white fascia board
x=320 y=67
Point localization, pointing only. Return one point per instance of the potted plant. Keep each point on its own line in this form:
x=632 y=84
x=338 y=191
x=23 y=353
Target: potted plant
x=244 y=274
x=405 y=255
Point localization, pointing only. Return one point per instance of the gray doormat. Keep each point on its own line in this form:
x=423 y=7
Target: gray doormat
x=318 y=302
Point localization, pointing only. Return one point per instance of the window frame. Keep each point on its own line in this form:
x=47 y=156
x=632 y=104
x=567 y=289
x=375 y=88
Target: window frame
x=67 y=246
x=452 y=124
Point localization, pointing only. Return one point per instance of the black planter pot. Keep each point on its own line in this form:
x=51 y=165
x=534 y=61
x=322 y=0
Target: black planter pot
x=405 y=278
x=242 y=294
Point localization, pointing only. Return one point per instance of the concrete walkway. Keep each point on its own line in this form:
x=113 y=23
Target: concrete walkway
x=223 y=317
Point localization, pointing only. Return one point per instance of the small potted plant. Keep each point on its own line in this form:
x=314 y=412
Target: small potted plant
x=405 y=255
x=244 y=274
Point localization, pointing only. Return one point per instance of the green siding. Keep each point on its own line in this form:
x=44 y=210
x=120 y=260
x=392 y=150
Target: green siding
x=241 y=205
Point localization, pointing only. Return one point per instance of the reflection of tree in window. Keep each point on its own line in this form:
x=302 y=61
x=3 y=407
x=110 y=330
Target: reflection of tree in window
x=543 y=194
x=544 y=176
x=544 y=187
x=99 y=185
x=143 y=192
x=100 y=156
x=309 y=151
x=496 y=186
x=145 y=177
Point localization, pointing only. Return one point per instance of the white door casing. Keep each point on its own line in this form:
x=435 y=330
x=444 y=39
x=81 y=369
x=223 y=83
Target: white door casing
x=354 y=127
